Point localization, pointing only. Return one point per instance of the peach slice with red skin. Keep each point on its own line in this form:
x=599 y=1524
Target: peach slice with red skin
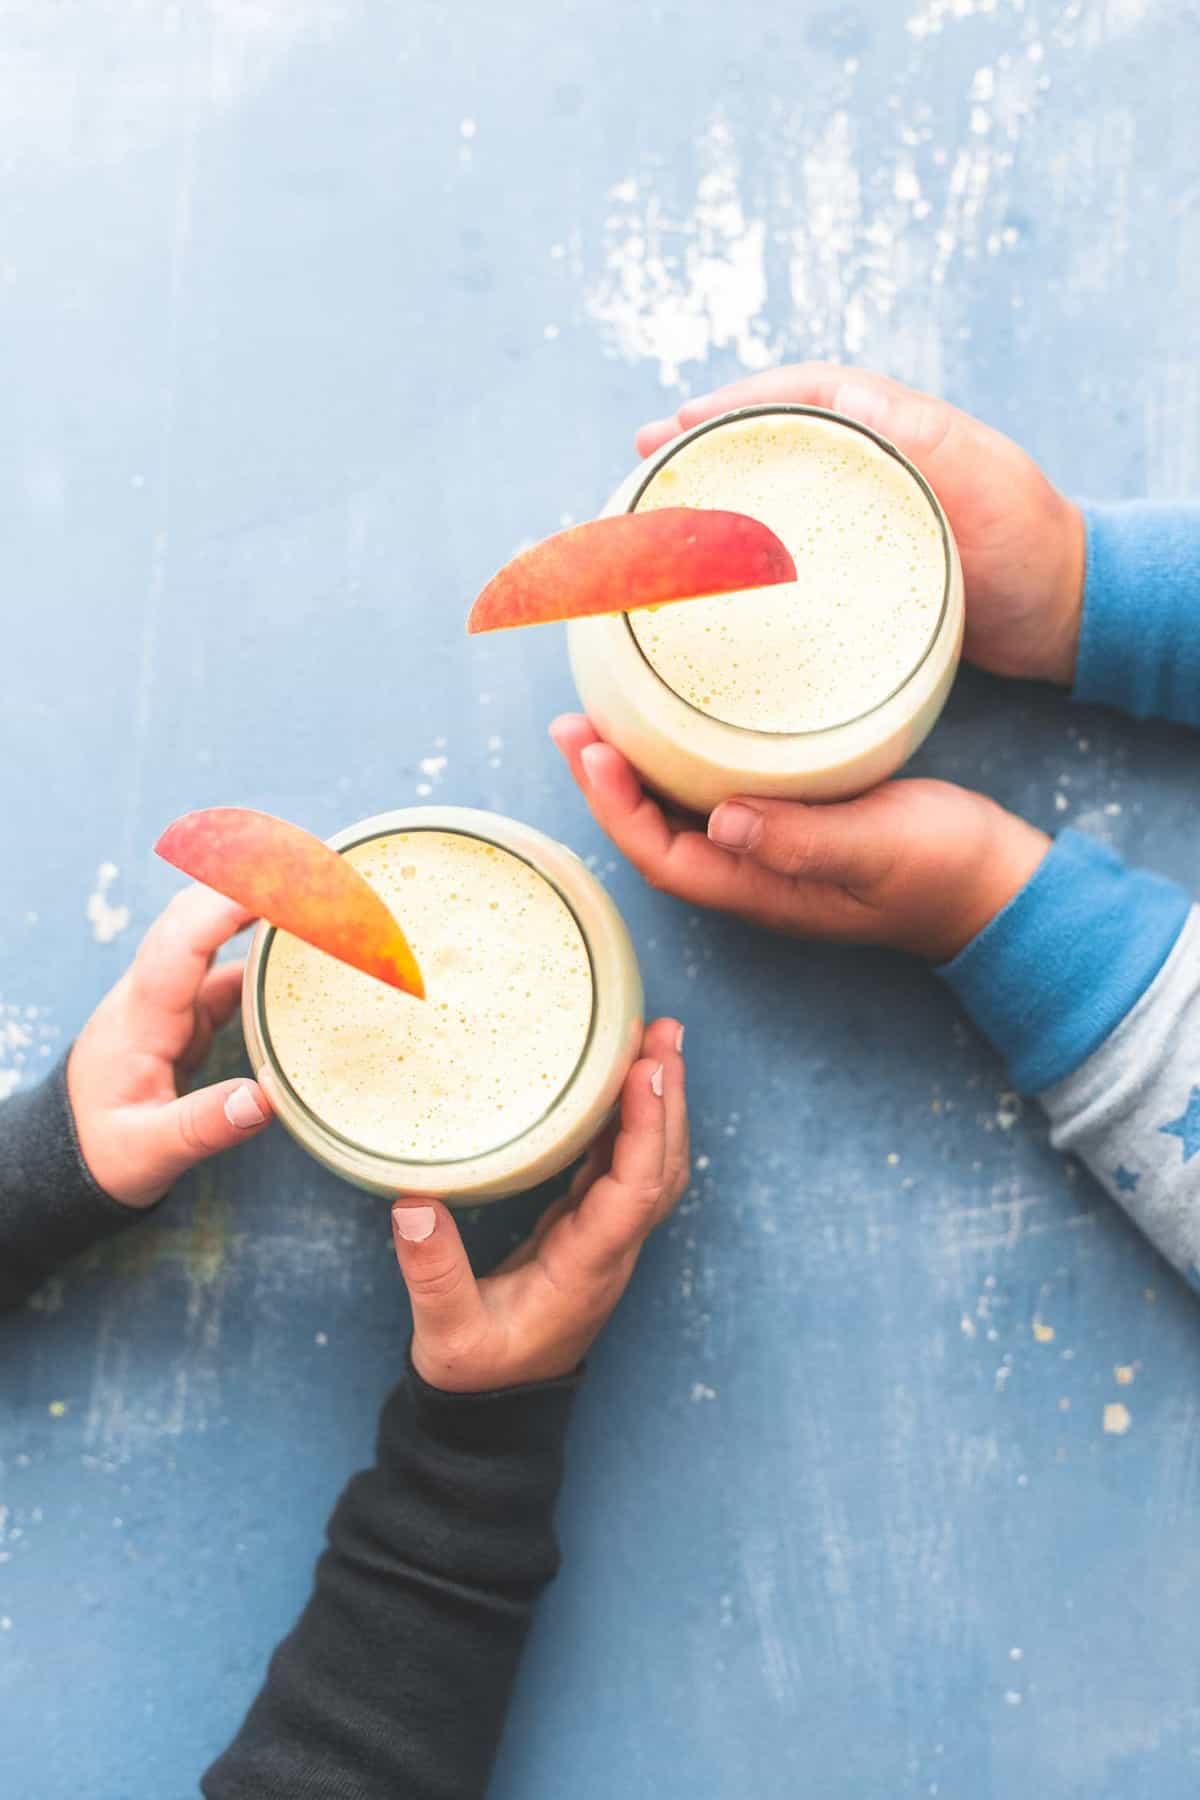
x=284 y=874
x=632 y=560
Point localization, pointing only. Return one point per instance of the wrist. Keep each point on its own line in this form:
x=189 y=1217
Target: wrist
x=90 y=1153
x=465 y=1380
x=1061 y=650
x=1004 y=859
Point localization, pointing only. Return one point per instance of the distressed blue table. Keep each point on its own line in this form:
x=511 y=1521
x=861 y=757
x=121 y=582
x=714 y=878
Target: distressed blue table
x=310 y=312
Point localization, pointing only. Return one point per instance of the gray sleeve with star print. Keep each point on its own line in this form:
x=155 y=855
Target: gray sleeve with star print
x=1131 y=1112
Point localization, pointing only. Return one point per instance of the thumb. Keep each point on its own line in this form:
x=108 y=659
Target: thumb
x=199 y=1124
x=843 y=844
x=446 y=1303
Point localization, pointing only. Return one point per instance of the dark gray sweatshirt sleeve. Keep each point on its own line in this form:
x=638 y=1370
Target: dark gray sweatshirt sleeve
x=50 y=1207
x=395 y=1680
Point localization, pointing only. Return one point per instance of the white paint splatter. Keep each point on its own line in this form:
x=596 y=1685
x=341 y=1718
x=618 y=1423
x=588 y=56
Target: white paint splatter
x=1117 y=1419
x=433 y=766
x=836 y=253
x=107 y=921
x=674 y=289
x=26 y=1039
x=701 y=1392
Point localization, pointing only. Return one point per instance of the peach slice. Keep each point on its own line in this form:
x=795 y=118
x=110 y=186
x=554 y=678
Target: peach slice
x=282 y=873
x=630 y=561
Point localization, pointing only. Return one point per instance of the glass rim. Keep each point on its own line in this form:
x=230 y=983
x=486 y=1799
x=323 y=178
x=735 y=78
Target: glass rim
x=407 y=1161
x=882 y=443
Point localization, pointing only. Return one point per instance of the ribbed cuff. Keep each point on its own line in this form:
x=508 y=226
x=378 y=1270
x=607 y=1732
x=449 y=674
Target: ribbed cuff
x=1139 y=643
x=1053 y=973
x=51 y=1208
x=531 y=1417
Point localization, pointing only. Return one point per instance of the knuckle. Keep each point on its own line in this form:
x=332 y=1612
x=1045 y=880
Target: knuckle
x=440 y=1283
x=191 y=1133
x=931 y=424
x=802 y=851
x=458 y=1346
x=646 y=1197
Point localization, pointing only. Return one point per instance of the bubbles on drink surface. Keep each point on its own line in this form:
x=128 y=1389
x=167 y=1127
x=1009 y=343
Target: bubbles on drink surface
x=871 y=577
x=497 y=1040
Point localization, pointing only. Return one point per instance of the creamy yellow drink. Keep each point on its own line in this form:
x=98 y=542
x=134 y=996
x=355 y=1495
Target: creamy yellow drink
x=510 y=1065
x=815 y=689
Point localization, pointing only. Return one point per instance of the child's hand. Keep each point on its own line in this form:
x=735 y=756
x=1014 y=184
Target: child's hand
x=1021 y=542
x=918 y=865
x=123 y=1075
x=534 y=1318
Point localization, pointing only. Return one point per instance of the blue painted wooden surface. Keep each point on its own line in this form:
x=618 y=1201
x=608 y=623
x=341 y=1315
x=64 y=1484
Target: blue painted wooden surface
x=310 y=311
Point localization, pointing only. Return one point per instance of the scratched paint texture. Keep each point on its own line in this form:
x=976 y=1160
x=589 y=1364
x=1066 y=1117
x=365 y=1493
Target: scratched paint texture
x=885 y=1482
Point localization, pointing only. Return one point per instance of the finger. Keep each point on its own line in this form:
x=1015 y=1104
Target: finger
x=664 y=1039
x=174 y=956
x=571 y=733
x=684 y=862
x=618 y=1210
x=850 y=845
x=796 y=384
x=184 y=1132
x=693 y=865
x=597 y=1162
x=447 y=1307
x=221 y=992
x=942 y=442
x=527 y=1249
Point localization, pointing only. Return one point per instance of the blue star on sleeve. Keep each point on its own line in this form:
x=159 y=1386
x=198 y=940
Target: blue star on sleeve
x=1187 y=1127
x=1126 y=1179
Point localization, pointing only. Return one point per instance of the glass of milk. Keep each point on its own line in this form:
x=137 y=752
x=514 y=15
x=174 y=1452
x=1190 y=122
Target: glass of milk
x=513 y=1062
x=815 y=690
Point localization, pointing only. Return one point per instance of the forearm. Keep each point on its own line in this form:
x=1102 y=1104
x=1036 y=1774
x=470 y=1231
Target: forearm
x=397 y=1676
x=50 y=1207
x=1089 y=986
x=1131 y=1112
x=1139 y=643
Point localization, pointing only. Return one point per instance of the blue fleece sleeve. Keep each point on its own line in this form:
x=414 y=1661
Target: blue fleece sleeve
x=1056 y=971
x=1139 y=644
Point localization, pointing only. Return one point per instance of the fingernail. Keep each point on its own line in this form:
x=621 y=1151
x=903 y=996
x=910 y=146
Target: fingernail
x=656 y=1082
x=734 y=826
x=414 y=1223
x=679 y=1041
x=555 y=729
x=588 y=756
x=242 y=1109
x=657 y=425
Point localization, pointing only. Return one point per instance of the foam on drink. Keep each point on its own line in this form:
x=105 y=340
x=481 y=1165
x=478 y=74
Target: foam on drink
x=871 y=577
x=486 y=1055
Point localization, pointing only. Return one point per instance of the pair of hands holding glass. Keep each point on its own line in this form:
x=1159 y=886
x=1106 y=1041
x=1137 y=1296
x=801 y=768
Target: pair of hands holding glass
x=140 y=1126
x=918 y=865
